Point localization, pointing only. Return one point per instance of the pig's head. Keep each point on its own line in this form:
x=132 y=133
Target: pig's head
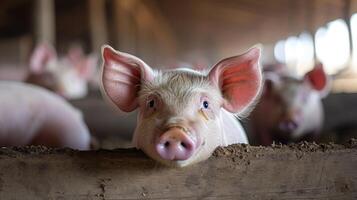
x=290 y=99
x=66 y=76
x=179 y=120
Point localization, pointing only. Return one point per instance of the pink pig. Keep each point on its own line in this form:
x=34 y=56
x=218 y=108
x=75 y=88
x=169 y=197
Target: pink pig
x=67 y=76
x=183 y=114
x=30 y=115
x=290 y=109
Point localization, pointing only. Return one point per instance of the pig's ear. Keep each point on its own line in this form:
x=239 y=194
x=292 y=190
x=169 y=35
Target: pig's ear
x=122 y=76
x=42 y=54
x=318 y=79
x=239 y=79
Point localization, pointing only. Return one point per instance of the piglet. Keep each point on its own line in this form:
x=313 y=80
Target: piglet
x=30 y=115
x=183 y=114
x=290 y=108
x=68 y=76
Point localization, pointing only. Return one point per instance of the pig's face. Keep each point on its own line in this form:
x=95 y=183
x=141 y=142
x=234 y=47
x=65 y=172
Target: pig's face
x=293 y=95
x=67 y=80
x=179 y=121
x=291 y=98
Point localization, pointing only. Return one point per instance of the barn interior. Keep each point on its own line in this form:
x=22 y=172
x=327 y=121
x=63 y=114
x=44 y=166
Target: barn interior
x=168 y=34
x=295 y=36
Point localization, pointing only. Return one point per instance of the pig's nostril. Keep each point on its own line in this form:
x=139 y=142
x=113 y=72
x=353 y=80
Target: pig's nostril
x=167 y=144
x=183 y=145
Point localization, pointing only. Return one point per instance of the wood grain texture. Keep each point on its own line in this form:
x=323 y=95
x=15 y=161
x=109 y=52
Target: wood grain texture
x=301 y=171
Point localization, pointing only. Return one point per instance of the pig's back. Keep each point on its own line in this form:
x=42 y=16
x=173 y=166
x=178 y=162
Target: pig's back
x=25 y=109
x=19 y=119
x=233 y=131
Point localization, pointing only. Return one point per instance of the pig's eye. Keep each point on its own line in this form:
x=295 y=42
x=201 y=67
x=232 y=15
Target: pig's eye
x=205 y=104
x=151 y=103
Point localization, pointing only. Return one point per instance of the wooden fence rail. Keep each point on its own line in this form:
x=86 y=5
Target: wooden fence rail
x=299 y=171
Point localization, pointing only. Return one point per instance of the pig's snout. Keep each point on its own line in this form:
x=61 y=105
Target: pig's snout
x=175 y=144
x=291 y=122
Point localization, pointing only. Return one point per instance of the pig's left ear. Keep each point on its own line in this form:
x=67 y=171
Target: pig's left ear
x=41 y=56
x=122 y=76
x=318 y=79
x=239 y=78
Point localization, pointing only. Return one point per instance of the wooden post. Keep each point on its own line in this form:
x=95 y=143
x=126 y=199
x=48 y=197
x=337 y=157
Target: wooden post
x=45 y=21
x=98 y=24
x=347 y=17
x=153 y=33
x=125 y=30
x=146 y=28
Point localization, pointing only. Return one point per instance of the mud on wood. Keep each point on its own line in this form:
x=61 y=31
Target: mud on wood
x=298 y=171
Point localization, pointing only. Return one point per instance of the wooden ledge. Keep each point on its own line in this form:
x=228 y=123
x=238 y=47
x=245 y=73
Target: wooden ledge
x=299 y=171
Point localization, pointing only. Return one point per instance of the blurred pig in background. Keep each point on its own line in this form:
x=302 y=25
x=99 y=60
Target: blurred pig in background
x=290 y=108
x=68 y=76
x=31 y=115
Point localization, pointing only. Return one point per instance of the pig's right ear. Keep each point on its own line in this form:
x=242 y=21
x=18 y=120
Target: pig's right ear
x=239 y=78
x=122 y=76
x=42 y=54
x=318 y=80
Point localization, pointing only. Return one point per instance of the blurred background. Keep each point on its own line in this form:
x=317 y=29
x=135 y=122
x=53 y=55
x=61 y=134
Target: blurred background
x=294 y=34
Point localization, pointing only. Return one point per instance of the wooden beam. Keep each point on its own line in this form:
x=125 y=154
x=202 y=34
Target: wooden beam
x=353 y=6
x=45 y=21
x=153 y=32
x=125 y=29
x=301 y=171
x=145 y=30
x=98 y=24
